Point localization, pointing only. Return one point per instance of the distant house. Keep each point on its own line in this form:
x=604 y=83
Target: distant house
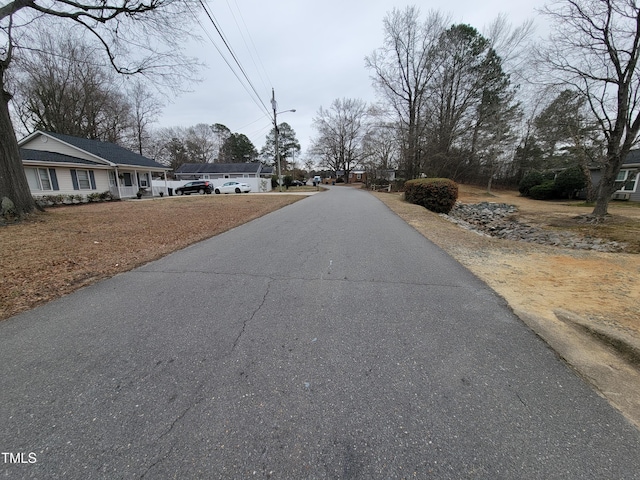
x=255 y=174
x=57 y=164
x=628 y=178
x=357 y=176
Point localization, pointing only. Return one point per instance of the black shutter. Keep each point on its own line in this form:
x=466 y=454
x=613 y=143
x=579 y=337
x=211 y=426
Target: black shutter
x=74 y=179
x=92 y=179
x=54 y=179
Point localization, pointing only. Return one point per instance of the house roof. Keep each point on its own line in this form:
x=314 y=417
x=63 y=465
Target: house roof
x=633 y=157
x=112 y=153
x=52 y=157
x=194 y=168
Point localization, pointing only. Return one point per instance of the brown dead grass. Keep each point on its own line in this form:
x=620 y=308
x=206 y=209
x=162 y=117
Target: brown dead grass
x=603 y=287
x=58 y=251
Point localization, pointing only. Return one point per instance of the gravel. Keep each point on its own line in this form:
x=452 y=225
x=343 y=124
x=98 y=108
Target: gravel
x=498 y=220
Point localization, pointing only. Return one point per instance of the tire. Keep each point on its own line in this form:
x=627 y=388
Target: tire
x=237 y=190
x=201 y=191
x=179 y=192
x=217 y=191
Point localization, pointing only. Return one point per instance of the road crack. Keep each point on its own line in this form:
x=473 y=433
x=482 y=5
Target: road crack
x=162 y=457
x=249 y=319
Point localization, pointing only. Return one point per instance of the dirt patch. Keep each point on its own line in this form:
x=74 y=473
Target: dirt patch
x=56 y=252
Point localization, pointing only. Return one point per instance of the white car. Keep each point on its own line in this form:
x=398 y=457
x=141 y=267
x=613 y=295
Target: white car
x=233 y=187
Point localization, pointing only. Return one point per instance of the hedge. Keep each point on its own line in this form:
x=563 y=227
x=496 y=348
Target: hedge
x=436 y=194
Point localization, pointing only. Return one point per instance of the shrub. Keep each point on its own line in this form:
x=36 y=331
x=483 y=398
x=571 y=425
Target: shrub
x=397 y=185
x=436 y=194
x=529 y=181
x=546 y=191
x=569 y=181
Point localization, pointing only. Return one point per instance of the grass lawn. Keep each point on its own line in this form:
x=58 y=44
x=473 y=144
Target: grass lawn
x=58 y=251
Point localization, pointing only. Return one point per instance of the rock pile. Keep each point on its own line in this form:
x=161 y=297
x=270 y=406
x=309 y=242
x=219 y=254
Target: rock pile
x=497 y=220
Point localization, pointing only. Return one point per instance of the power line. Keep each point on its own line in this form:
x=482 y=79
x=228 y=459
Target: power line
x=246 y=29
x=206 y=32
x=237 y=62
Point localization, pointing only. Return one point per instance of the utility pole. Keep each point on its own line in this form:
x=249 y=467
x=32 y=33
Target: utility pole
x=274 y=105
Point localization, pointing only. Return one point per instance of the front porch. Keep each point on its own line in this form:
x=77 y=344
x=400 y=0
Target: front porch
x=128 y=183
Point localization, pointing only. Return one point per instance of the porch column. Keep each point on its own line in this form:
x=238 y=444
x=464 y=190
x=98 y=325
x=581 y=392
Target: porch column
x=118 y=184
x=166 y=187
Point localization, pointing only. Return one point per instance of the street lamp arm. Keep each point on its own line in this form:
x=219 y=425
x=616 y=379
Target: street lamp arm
x=274 y=105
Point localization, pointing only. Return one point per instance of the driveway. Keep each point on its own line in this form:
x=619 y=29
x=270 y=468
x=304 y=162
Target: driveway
x=325 y=340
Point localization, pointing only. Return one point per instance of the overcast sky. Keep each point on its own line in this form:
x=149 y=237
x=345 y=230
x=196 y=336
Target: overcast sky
x=310 y=52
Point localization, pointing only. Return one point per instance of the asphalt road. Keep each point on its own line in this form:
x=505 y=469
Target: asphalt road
x=325 y=340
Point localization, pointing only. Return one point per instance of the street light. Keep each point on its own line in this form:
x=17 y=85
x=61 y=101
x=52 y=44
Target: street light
x=274 y=105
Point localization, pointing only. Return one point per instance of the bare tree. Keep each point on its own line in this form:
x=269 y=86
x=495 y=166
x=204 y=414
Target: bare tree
x=513 y=45
x=200 y=143
x=220 y=133
x=137 y=37
x=145 y=108
x=171 y=149
x=402 y=69
x=594 y=49
x=341 y=130
x=63 y=91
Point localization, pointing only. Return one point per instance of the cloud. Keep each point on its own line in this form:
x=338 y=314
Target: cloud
x=311 y=53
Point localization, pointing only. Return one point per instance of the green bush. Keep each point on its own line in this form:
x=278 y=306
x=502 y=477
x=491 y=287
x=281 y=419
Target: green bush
x=546 y=191
x=529 y=181
x=569 y=181
x=436 y=194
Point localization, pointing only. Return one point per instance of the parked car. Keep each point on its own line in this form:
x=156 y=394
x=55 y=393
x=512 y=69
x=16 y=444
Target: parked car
x=296 y=183
x=200 y=186
x=233 y=187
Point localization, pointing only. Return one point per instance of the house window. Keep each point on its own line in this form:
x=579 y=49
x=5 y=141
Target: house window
x=112 y=178
x=627 y=180
x=83 y=180
x=45 y=181
x=39 y=179
x=127 y=179
x=143 y=180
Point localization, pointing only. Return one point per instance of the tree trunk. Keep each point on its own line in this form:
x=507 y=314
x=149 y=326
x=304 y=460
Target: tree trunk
x=13 y=181
x=591 y=193
x=607 y=187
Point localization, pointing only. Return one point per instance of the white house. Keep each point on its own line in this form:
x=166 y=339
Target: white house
x=628 y=178
x=57 y=164
x=255 y=174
